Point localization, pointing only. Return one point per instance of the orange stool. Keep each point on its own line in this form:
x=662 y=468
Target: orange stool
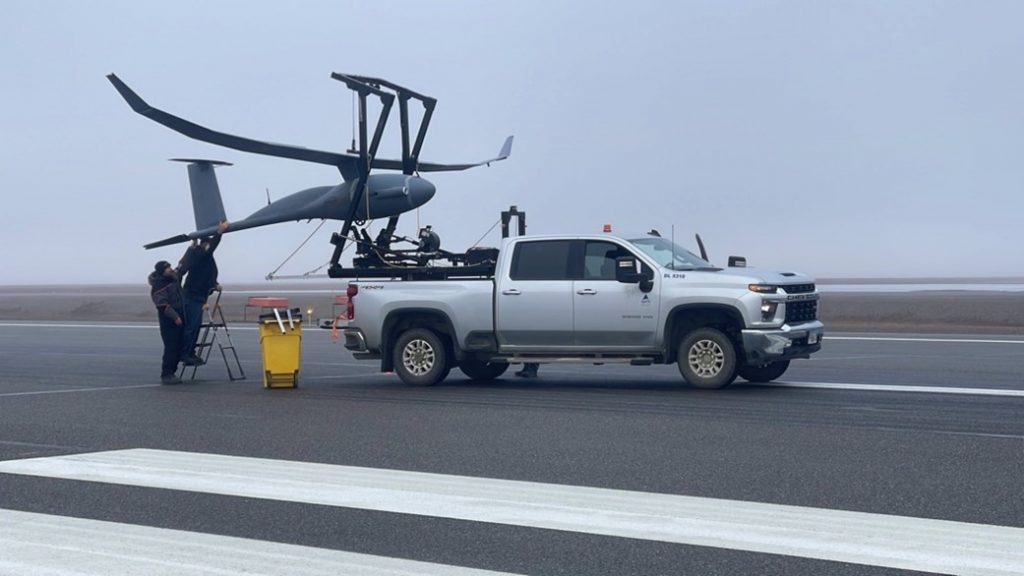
x=264 y=303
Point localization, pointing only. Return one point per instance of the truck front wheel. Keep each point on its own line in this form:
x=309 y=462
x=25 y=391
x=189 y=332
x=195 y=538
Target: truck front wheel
x=707 y=358
x=478 y=370
x=764 y=372
x=420 y=357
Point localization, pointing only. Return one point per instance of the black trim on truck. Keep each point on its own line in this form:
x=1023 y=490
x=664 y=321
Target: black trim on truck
x=398 y=321
x=481 y=341
x=687 y=317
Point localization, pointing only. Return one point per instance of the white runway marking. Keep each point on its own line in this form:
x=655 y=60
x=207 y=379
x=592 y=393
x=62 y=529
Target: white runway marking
x=153 y=326
x=65 y=546
x=861 y=538
x=922 y=339
x=71 y=390
x=897 y=388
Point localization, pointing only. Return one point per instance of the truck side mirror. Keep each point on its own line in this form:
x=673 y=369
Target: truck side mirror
x=737 y=262
x=626 y=271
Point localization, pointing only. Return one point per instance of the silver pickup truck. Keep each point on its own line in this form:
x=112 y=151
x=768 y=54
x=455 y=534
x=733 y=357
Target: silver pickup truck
x=595 y=299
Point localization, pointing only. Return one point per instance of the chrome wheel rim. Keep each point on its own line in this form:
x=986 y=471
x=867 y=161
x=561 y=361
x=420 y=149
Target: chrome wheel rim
x=418 y=357
x=706 y=358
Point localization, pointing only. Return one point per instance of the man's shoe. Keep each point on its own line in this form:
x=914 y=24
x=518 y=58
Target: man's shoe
x=193 y=361
x=526 y=374
x=172 y=379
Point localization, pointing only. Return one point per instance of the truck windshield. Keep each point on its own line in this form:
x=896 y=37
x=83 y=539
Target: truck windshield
x=671 y=256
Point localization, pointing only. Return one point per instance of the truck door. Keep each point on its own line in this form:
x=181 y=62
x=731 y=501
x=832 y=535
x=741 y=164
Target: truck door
x=534 y=297
x=609 y=315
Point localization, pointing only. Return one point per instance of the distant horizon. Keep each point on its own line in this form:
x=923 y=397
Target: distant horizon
x=826 y=280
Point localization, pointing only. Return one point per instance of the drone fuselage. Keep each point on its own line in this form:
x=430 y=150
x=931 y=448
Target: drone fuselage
x=386 y=195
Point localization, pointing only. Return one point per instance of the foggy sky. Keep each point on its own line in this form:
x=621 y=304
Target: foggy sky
x=833 y=138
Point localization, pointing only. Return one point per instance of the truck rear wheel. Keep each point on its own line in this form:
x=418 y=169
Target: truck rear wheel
x=707 y=359
x=420 y=357
x=477 y=370
x=764 y=372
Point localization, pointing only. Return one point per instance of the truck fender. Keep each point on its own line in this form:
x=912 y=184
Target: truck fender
x=685 y=317
x=397 y=321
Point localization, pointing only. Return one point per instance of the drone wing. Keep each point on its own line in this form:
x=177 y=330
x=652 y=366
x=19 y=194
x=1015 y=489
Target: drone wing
x=345 y=163
x=506 y=151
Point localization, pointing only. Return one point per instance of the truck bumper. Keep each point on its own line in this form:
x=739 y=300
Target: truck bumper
x=765 y=346
x=354 y=339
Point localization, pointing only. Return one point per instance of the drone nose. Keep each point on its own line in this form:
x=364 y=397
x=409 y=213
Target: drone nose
x=420 y=191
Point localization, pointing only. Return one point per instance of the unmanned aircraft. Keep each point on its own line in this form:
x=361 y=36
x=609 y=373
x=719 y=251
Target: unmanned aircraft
x=360 y=197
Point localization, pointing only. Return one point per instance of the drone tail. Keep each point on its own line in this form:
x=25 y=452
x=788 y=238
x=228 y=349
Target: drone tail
x=207 y=205
x=206 y=202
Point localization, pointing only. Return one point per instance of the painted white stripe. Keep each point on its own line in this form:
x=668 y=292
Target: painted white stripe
x=857 y=537
x=64 y=546
x=242 y=326
x=50 y=325
x=153 y=326
x=145 y=294
x=71 y=390
x=898 y=388
x=250 y=326
x=919 y=339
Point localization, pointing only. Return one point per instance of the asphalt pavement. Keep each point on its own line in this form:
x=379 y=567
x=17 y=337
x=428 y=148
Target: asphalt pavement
x=892 y=432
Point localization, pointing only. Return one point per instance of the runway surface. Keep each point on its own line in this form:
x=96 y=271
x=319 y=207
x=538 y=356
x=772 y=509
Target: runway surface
x=884 y=454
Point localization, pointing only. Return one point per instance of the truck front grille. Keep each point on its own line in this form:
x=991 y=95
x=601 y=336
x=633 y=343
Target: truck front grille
x=805 y=311
x=798 y=288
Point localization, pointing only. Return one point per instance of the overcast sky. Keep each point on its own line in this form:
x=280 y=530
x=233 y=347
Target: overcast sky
x=833 y=138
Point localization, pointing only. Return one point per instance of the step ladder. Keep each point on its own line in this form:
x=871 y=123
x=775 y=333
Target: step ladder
x=213 y=324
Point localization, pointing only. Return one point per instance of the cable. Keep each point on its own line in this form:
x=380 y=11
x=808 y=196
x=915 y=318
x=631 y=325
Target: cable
x=294 y=252
x=496 y=222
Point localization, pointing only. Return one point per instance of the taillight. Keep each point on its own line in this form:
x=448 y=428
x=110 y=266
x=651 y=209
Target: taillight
x=350 y=307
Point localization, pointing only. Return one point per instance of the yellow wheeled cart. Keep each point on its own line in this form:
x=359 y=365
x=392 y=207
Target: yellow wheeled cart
x=281 y=347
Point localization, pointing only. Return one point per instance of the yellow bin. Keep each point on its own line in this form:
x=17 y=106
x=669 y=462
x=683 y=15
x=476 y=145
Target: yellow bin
x=281 y=347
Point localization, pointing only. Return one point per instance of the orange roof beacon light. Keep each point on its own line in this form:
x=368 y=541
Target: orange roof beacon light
x=607 y=228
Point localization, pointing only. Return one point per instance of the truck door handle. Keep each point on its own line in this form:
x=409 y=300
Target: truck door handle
x=511 y=292
x=586 y=292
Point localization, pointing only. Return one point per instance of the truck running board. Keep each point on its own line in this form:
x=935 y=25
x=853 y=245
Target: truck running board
x=594 y=359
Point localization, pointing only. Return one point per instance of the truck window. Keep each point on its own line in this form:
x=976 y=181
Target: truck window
x=541 y=260
x=599 y=260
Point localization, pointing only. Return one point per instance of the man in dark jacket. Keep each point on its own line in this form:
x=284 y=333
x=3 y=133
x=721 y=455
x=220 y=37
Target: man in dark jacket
x=165 y=290
x=199 y=269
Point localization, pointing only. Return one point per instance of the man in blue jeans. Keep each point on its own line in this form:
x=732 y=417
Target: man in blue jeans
x=200 y=271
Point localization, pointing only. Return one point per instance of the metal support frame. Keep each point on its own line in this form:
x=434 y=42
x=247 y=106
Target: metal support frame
x=367 y=152
x=365 y=86
x=506 y=219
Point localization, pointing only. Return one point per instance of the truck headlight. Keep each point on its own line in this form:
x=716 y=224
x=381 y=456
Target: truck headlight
x=768 y=310
x=763 y=288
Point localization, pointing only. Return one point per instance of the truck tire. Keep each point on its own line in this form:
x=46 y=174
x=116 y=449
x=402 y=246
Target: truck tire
x=420 y=357
x=707 y=358
x=476 y=370
x=764 y=372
